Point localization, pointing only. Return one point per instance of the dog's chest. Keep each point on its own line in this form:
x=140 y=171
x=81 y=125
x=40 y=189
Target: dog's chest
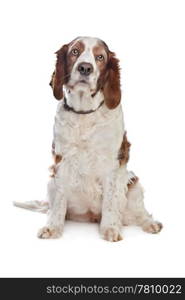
x=89 y=147
x=88 y=142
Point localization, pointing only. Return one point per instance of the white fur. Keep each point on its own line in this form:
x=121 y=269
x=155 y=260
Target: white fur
x=89 y=177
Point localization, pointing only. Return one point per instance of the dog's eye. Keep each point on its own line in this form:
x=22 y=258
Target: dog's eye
x=100 y=57
x=75 y=52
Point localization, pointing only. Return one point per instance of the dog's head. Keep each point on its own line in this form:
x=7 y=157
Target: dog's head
x=87 y=64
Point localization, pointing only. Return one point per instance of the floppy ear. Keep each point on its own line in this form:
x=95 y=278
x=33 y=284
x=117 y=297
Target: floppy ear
x=111 y=88
x=59 y=76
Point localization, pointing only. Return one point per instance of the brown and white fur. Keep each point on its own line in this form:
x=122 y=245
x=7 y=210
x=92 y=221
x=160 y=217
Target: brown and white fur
x=90 y=180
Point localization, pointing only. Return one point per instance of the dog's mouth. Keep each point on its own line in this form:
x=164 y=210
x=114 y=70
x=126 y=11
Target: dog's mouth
x=83 y=81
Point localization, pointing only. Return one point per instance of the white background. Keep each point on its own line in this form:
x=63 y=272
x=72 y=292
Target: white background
x=149 y=38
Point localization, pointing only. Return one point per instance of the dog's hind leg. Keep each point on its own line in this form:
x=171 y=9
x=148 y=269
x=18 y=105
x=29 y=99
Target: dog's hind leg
x=135 y=212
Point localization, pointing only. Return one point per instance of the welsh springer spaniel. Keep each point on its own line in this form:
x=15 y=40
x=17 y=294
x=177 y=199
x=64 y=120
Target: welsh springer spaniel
x=90 y=181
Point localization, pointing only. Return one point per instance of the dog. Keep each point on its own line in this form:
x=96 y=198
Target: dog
x=90 y=181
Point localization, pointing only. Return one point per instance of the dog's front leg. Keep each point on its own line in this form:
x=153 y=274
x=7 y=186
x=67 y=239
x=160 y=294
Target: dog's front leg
x=114 y=202
x=57 y=212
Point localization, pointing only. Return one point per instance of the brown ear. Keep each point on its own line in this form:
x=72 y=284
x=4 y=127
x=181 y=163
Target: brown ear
x=59 y=76
x=111 y=89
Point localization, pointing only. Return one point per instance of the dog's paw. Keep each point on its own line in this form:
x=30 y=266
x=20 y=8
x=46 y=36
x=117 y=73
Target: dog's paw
x=111 y=234
x=152 y=227
x=49 y=232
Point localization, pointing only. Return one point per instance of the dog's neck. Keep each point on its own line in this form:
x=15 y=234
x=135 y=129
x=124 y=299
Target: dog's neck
x=83 y=99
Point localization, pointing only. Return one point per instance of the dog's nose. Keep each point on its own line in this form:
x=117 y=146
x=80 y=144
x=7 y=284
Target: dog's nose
x=85 y=69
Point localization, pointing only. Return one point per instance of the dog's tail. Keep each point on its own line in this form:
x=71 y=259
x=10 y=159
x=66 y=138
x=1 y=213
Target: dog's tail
x=37 y=206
